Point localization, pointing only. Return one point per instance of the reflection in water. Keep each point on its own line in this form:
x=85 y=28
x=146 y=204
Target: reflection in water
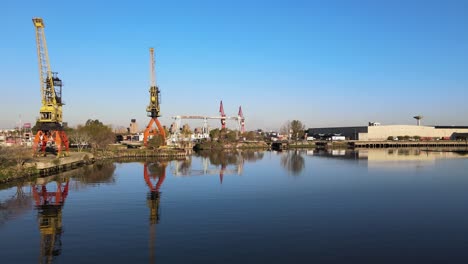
x=357 y=214
x=217 y=163
x=16 y=205
x=94 y=174
x=49 y=205
x=50 y=196
x=151 y=172
x=293 y=162
x=392 y=159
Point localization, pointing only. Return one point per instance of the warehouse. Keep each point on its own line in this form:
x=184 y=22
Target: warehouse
x=374 y=132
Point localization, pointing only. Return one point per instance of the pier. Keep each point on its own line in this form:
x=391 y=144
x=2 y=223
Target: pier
x=407 y=144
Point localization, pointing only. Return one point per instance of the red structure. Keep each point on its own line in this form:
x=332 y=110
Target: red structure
x=241 y=120
x=59 y=137
x=223 y=115
x=49 y=205
x=42 y=197
x=153 y=171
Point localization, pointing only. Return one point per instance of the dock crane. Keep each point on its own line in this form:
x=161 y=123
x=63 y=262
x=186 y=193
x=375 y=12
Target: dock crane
x=223 y=115
x=241 y=120
x=50 y=113
x=153 y=109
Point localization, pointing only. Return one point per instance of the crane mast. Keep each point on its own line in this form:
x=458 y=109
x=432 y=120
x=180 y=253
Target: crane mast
x=50 y=128
x=153 y=109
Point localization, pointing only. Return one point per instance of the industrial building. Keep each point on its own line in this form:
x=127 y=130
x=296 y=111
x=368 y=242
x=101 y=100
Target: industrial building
x=377 y=132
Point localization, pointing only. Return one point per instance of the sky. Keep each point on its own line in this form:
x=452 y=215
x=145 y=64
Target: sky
x=325 y=63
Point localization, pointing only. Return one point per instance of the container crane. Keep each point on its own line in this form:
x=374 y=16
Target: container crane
x=50 y=114
x=153 y=109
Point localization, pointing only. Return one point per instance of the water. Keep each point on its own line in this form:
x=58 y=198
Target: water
x=381 y=206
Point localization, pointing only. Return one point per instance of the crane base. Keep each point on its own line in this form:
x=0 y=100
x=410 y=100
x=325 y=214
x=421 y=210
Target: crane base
x=149 y=132
x=52 y=137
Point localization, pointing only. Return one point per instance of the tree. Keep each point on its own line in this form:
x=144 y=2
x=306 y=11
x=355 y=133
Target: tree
x=231 y=136
x=214 y=134
x=390 y=138
x=294 y=129
x=286 y=129
x=80 y=137
x=297 y=129
x=186 y=131
x=19 y=155
x=100 y=134
x=251 y=135
x=156 y=141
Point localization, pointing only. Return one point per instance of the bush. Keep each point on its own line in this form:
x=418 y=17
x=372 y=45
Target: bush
x=156 y=141
x=390 y=138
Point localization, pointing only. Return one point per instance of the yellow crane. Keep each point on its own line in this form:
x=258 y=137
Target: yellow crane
x=153 y=109
x=50 y=114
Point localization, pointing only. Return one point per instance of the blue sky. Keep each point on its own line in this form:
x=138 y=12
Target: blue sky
x=326 y=63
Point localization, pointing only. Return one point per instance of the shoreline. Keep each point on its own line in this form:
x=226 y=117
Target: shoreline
x=45 y=166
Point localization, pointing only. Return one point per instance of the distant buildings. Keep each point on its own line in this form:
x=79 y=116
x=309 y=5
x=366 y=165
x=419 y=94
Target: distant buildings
x=17 y=136
x=133 y=129
x=376 y=132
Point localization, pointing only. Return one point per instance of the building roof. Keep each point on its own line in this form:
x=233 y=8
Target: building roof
x=454 y=127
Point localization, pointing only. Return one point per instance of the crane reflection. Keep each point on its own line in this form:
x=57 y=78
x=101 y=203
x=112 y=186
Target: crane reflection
x=49 y=200
x=154 y=174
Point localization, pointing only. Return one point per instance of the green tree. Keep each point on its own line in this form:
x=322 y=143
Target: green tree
x=100 y=135
x=231 y=136
x=250 y=135
x=297 y=129
x=222 y=134
x=214 y=134
x=156 y=141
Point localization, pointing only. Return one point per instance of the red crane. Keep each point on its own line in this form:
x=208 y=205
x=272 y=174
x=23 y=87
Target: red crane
x=223 y=115
x=242 y=119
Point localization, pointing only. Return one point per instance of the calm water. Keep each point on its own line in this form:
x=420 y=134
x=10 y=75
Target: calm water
x=384 y=206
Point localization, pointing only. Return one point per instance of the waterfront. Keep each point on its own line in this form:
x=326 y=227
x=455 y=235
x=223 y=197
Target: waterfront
x=382 y=205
